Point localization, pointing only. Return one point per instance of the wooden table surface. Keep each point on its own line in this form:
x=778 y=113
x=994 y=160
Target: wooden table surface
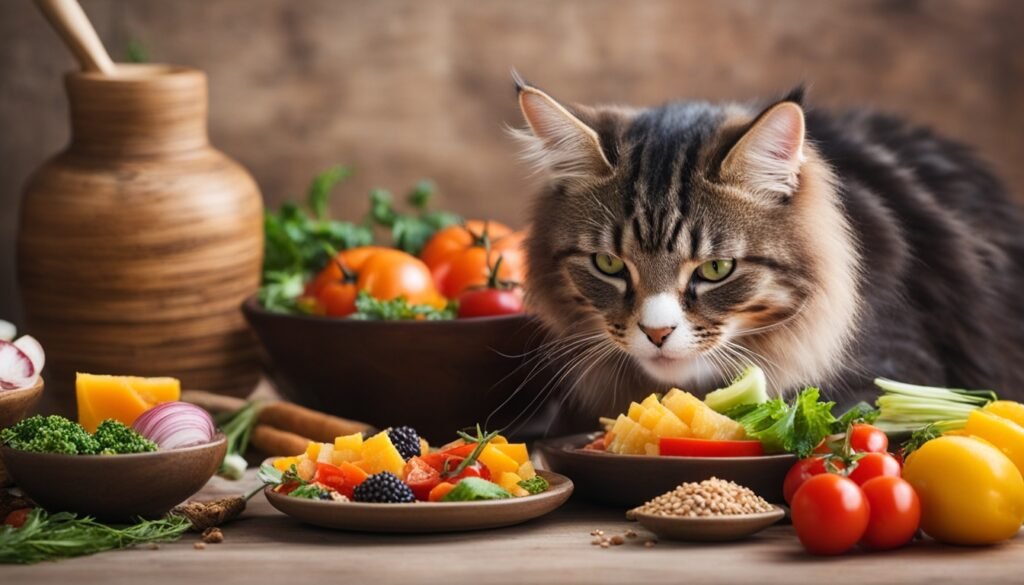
x=264 y=546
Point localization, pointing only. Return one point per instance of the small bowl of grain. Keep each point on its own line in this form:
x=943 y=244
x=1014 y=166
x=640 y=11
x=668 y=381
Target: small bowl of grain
x=713 y=510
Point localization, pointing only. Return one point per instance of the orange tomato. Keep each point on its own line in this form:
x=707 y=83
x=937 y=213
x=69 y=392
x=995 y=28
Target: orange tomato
x=384 y=273
x=458 y=259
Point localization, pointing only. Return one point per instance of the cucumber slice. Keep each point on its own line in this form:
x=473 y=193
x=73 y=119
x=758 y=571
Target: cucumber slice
x=750 y=388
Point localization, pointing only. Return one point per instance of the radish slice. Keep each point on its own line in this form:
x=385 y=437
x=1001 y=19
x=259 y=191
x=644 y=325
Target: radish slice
x=30 y=347
x=16 y=369
x=7 y=330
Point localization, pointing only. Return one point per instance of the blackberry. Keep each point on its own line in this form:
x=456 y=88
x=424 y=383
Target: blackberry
x=406 y=440
x=383 y=488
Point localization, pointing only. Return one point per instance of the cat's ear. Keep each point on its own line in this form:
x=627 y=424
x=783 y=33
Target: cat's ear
x=767 y=158
x=557 y=141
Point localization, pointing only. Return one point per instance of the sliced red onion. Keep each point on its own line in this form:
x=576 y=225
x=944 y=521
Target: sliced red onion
x=172 y=425
x=16 y=368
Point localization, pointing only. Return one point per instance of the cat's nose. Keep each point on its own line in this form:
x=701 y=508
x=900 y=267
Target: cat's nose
x=657 y=335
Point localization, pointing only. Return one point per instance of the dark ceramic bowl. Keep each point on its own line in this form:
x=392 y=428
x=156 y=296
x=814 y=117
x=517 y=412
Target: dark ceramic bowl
x=630 y=480
x=115 y=488
x=436 y=376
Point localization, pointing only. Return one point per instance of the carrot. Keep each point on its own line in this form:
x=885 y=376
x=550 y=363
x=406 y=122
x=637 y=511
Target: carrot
x=276 y=442
x=440 y=491
x=213 y=403
x=318 y=426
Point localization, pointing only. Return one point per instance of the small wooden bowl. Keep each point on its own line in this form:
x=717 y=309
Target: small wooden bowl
x=15 y=404
x=115 y=488
x=710 y=528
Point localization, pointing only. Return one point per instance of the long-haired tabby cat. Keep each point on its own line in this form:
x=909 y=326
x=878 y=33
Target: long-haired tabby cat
x=673 y=244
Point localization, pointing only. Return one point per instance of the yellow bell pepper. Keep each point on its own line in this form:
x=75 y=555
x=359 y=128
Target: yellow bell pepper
x=1007 y=409
x=1005 y=434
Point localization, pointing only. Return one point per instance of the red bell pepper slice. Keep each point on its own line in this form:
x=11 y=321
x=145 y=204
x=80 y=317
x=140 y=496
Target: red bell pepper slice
x=689 y=447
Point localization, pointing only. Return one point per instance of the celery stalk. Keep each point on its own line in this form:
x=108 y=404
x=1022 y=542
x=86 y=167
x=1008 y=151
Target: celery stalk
x=908 y=407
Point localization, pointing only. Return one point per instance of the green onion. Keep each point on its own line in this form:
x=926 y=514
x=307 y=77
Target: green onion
x=907 y=407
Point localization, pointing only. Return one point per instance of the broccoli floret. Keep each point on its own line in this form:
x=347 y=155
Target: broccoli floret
x=115 y=438
x=50 y=434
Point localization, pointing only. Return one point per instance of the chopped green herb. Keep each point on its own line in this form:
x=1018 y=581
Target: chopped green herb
x=369 y=308
x=535 y=484
x=793 y=428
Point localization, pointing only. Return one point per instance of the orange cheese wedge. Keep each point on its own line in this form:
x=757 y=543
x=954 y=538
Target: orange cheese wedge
x=121 y=398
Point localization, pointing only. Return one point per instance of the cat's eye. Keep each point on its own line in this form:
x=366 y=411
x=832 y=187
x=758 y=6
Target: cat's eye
x=716 y=270
x=608 y=264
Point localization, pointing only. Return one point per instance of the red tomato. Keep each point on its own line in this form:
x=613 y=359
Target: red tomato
x=421 y=478
x=830 y=514
x=895 y=513
x=342 y=479
x=802 y=471
x=489 y=302
x=446 y=462
x=458 y=259
x=689 y=447
x=17 y=518
x=476 y=469
x=384 y=273
x=865 y=438
x=874 y=465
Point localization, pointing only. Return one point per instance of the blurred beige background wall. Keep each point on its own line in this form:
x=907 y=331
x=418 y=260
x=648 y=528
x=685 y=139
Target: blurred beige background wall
x=411 y=89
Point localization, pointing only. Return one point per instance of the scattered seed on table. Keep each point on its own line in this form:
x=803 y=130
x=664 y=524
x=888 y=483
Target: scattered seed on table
x=199 y=545
x=618 y=539
x=605 y=544
x=650 y=543
x=597 y=541
x=631 y=534
x=213 y=535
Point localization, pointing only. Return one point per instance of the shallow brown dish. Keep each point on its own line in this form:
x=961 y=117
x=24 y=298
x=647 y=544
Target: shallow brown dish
x=631 y=480
x=709 y=528
x=15 y=404
x=432 y=375
x=115 y=488
x=425 y=517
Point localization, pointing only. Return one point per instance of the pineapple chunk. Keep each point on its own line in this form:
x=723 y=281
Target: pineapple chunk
x=671 y=426
x=683 y=405
x=510 y=481
x=650 y=418
x=635 y=411
x=380 y=454
x=326 y=453
x=526 y=471
x=622 y=426
x=651 y=401
x=651 y=449
x=348 y=448
x=708 y=424
x=497 y=462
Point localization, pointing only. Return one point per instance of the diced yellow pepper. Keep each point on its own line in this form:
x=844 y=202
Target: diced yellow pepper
x=526 y=471
x=312 y=450
x=380 y=454
x=510 y=481
x=517 y=451
x=285 y=463
x=497 y=461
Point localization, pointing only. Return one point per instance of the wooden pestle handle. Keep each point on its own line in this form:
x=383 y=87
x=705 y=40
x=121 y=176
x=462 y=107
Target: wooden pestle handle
x=73 y=26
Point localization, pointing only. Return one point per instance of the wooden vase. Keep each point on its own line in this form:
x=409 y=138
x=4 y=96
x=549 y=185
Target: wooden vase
x=138 y=243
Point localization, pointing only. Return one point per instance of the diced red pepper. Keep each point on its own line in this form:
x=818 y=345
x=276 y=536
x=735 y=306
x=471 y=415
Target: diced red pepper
x=689 y=447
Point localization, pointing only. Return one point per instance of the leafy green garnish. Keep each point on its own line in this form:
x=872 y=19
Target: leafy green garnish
x=535 y=484
x=410 y=232
x=797 y=428
x=474 y=488
x=310 y=492
x=299 y=241
x=46 y=537
x=269 y=475
x=862 y=412
x=369 y=308
x=50 y=434
x=481 y=439
x=136 y=52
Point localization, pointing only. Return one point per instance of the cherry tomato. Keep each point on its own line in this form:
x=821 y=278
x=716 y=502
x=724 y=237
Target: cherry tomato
x=874 y=465
x=475 y=469
x=342 y=479
x=802 y=471
x=421 y=478
x=489 y=302
x=17 y=518
x=895 y=513
x=865 y=438
x=830 y=514
x=458 y=259
x=384 y=273
x=447 y=461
